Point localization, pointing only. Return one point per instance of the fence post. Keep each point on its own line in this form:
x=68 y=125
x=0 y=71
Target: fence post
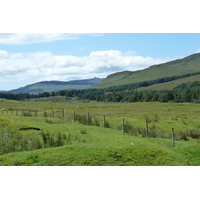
x=88 y=118
x=63 y=113
x=173 y=142
x=123 y=126
x=104 y=122
x=147 y=128
x=74 y=116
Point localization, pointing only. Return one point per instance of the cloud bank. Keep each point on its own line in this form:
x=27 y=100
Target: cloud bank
x=33 y=67
x=29 y=38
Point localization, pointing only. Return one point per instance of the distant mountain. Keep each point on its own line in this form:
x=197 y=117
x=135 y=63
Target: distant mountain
x=187 y=65
x=50 y=86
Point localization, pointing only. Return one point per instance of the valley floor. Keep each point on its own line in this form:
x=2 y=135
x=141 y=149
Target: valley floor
x=91 y=134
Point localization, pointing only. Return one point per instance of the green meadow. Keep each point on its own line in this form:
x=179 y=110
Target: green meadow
x=91 y=134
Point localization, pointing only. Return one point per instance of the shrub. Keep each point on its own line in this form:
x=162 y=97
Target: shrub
x=193 y=133
x=83 y=131
x=129 y=129
x=95 y=122
x=82 y=119
x=183 y=136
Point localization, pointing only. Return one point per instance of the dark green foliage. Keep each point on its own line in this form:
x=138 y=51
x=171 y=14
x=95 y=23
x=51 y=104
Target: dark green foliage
x=14 y=142
x=130 y=129
x=83 y=131
x=82 y=119
x=107 y=125
x=194 y=133
x=95 y=122
x=186 y=93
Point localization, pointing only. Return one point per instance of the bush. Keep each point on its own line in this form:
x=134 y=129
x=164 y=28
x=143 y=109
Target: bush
x=83 y=131
x=129 y=129
x=82 y=119
x=95 y=122
x=193 y=133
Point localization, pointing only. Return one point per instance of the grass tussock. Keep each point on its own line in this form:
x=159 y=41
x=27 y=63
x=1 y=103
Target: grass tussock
x=15 y=142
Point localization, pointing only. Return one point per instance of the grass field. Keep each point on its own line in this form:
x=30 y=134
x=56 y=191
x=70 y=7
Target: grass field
x=56 y=139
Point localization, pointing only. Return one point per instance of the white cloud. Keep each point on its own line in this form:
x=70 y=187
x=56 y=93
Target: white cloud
x=39 y=66
x=198 y=50
x=29 y=38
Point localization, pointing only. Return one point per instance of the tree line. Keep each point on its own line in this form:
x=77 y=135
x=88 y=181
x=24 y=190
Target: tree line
x=124 y=93
x=185 y=93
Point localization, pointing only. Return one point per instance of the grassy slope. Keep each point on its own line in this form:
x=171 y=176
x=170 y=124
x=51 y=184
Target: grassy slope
x=172 y=84
x=103 y=146
x=50 y=86
x=98 y=147
x=54 y=87
x=187 y=65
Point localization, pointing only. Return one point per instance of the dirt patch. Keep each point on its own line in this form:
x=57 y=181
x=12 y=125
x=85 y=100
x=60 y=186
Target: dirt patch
x=30 y=128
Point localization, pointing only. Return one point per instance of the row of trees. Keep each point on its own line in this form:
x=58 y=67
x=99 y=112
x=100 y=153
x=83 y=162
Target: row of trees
x=125 y=93
x=184 y=93
x=24 y=96
x=187 y=95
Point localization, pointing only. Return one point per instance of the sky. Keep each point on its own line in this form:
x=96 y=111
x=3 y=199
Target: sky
x=26 y=58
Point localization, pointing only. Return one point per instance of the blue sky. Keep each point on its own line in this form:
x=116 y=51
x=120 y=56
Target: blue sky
x=26 y=58
x=144 y=44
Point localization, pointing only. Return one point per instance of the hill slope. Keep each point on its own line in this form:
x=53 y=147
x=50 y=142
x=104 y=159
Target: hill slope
x=190 y=64
x=171 y=84
x=50 y=86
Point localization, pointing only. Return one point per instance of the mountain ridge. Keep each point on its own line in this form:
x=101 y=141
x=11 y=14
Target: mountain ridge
x=189 y=64
x=54 y=85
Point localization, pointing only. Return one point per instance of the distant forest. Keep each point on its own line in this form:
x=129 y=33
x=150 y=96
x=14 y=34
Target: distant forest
x=189 y=92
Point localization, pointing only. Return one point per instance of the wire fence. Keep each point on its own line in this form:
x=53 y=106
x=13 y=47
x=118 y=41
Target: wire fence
x=148 y=129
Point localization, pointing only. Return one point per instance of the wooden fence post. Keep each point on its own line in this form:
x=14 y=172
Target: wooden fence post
x=173 y=142
x=63 y=113
x=88 y=118
x=123 y=126
x=74 y=116
x=147 y=128
x=104 y=122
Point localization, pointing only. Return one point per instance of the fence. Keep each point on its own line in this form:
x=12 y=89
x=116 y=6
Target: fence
x=87 y=119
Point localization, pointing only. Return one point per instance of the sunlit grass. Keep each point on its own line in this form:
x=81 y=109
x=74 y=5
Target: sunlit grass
x=96 y=145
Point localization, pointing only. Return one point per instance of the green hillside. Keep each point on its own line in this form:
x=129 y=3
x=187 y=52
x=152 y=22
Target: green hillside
x=190 y=64
x=171 y=84
x=50 y=86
